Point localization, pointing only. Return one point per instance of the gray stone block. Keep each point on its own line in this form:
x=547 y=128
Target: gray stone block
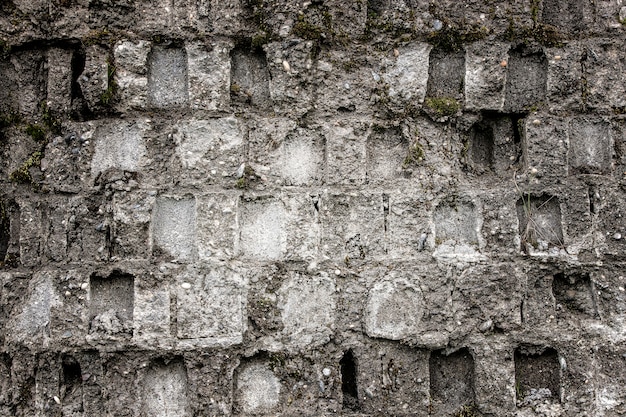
x=174 y=227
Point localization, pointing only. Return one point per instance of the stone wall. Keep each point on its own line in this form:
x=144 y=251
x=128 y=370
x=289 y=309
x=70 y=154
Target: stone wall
x=272 y=207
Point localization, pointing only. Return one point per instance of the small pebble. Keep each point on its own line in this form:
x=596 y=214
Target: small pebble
x=503 y=64
x=437 y=24
x=617 y=236
x=67 y=293
x=84 y=286
x=326 y=372
x=286 y=66
x=337 y=272
x=557 y=57
x=186 y=285
x=536 y=122
x=56 y=399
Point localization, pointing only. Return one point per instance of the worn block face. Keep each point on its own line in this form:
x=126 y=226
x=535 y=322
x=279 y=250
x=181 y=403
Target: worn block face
x=544 y=145
x=345 y=154
x=307 y=309
x=573 y=294
x=167 y=77
x=210 y=305
x=485 y=76
x=387 y=153
x=537 y=375
x=131 y=75
x=494 y=144
x=540 y=221
x=257 y=389
x=394 y=309
x=174 y=227
x=526 y=79
x=589 y=146
x=262 y=233
x=111 y=301
x=408 y=75
x=564 y=14
x=302 y=158
x=209 y=75
x=456 y=221
x=118 y=145
x=451 y=381
x=165 y=390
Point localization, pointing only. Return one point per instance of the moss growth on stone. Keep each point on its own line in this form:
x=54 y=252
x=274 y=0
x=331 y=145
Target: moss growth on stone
x=36 y=132
x=451 y=38
x=443 y=106
x=306 y=30
x=22 y=175
x=414 y=154
x=107 y=97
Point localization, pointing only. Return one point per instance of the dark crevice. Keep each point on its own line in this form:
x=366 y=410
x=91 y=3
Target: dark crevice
x=349 y=386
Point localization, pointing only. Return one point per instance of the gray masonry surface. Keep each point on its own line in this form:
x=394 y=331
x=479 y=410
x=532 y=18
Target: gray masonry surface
x=312 y=208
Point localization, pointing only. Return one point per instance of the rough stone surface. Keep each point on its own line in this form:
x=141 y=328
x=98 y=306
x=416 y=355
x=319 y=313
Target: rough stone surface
x=312 y=208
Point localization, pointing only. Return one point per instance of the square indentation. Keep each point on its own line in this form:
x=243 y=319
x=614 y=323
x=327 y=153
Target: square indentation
x=249 y=77
x=111 y=303
x=456 y=221
x=540 y=221
x=537 y=375
x=451 y=381
x=573 y=294
x=174 y=226
x=526 y=80
x=565 y=14
x=165 y=389
x=446 y=74
x=494 y=143
x=590 y=150
x=167 y=77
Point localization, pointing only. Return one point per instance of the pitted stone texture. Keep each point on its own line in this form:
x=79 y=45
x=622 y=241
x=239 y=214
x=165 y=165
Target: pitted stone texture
x=111 y=306
x=526 y=79
x=151 y=311
x=457 y=225
x=209 y=148
x=352 y=225
x=257 y=389
x=346 y=152
x=564 y=77
x=262 y=228
x=30 y=324
x=211 y=306
x=407 y=77
x=167 y=77
x=119 y=146
x=174 y=226
x=131 y=75
x=604 y=67
x=590 y=146
x=250 y=78
x=131 y=224
x=544 y=143
x=165 y=390
x=308 y=306
x=485 y=75
x=217 y=225
x=208 y=73
x=59 y=85
x=387 y=151
x=394 y=309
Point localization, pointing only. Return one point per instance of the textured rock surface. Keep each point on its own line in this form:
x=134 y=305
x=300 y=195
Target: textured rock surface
x=279 y=207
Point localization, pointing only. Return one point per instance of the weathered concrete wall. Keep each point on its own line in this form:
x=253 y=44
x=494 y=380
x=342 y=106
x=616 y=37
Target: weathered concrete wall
x=272 y=207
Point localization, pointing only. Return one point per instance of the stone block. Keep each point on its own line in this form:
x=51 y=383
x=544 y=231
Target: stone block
x=407 y=77
x=567 y=15
x=303 y=228
x=494 y=144
x=165 y=390
x=210 y=306
x=94 y=80
x=540 y=222
x=287 y=154
x=119 y=146
x=603 y=68
x=208 y=72
x=346 y=151
x=307 y=305
x=31 y=226
x=257 y=389
x=407 y=224
x=151 y=312
x=352 y=225
x=28 y=85
x=209 y=148
x=30 y=321
x=131 y=74
x=493 y=363
x=590 y=146
x=457 y=226
x=485 y=75
x=564 y=77
x=394 y=309
x=174 y=227
x=69 y=318
x=167 y=77
x=131 y=224
x=59 y=85
x=544 y=145
x=216 y=225
x=263 y=228
x=387 y=151
x=87 y=229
